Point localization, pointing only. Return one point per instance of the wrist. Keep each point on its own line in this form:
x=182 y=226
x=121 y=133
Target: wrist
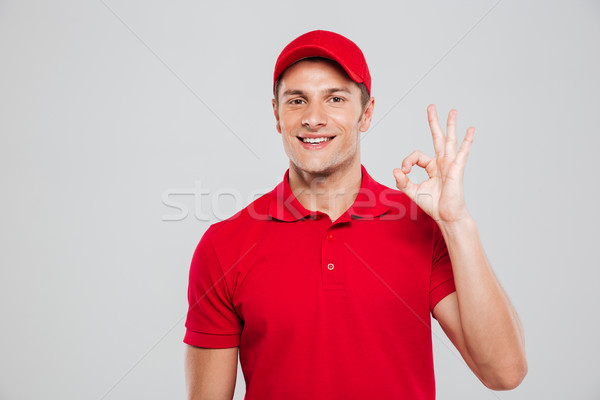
x=457 y=227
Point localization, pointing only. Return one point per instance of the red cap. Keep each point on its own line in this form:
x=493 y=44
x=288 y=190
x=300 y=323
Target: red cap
x=329 y=45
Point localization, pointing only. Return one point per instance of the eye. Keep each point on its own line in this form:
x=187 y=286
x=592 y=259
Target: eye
x=296 y=101
x=336 y=99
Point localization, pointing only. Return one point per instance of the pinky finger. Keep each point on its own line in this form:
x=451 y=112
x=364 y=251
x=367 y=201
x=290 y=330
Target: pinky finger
x=465 y=146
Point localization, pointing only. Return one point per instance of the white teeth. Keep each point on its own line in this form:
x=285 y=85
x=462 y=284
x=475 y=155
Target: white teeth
x=315 y=140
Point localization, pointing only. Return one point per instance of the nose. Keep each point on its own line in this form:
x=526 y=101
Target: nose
x=314 y=116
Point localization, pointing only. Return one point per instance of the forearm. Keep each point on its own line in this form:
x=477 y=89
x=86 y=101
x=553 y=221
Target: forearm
x=491 y=328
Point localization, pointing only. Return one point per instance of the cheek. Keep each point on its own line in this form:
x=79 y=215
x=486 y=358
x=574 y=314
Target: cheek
x=345 y=119
x=288 y=140
x=288 y=136
x=287 y=122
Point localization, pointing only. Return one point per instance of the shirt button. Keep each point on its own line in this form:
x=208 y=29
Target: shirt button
x=329 y=236
x=330 y=266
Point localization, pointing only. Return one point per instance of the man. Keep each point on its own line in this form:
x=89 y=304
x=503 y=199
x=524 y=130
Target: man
x=327 y=284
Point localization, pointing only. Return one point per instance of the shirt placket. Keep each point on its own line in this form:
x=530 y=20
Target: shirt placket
x=332 y=266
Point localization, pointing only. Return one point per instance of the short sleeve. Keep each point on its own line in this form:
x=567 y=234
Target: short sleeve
x=211 y=319
x=442 y=279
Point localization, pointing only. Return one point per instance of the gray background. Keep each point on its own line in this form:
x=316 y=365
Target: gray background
x=110 y=111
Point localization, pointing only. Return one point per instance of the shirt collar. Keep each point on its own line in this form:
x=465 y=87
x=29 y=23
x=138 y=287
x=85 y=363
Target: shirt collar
x=286 y=207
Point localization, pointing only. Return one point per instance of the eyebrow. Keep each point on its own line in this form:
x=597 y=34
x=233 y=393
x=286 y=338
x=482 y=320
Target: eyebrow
x=294 y=92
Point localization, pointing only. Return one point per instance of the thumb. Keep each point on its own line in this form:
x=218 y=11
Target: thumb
x=404 y=184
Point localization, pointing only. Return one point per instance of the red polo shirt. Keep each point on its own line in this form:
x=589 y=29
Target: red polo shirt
x=322 y=309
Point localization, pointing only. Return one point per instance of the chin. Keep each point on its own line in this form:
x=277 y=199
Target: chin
x=316 y=167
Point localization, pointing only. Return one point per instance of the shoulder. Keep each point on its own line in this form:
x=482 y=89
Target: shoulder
x=232 y=230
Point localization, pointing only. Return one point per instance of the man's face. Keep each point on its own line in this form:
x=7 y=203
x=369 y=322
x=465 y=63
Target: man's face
x=319 y=103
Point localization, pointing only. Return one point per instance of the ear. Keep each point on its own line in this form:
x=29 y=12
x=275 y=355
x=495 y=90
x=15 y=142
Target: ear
x=367 y=115
x=276 y=113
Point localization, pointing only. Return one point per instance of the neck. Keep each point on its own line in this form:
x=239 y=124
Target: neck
x=331 y=193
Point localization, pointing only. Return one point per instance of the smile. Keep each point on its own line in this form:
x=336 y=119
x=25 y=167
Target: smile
x=315 y=141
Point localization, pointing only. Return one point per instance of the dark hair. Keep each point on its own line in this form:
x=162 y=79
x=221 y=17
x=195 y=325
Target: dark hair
x=364 y=93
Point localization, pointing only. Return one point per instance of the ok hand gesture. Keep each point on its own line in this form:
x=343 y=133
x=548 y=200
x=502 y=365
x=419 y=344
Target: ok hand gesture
x=441 y=196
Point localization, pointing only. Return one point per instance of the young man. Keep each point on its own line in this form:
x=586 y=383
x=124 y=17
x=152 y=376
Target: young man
x=327 y=284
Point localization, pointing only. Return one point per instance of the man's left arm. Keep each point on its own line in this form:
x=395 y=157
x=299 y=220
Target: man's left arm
x=478 y=318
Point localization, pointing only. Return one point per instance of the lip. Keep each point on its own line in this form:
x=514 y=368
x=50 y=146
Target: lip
x=314 y=136
x=319 y=146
